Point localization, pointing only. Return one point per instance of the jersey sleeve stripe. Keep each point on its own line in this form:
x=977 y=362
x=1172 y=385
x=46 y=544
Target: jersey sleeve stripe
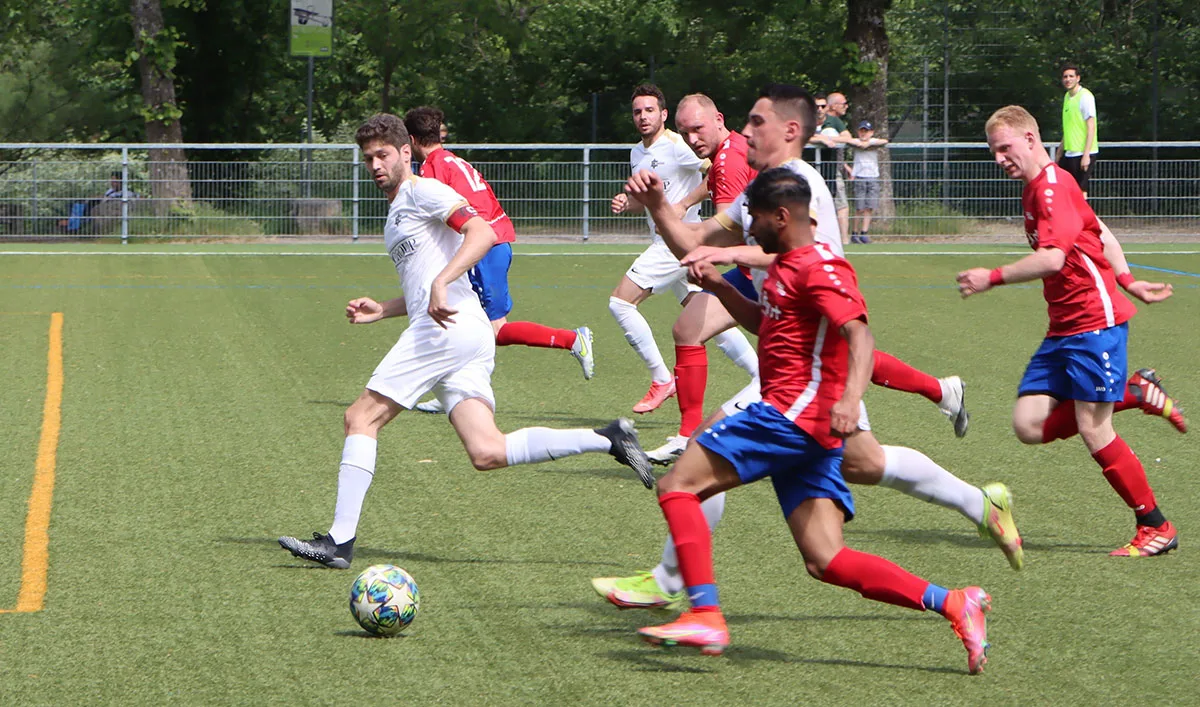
x=727 y=223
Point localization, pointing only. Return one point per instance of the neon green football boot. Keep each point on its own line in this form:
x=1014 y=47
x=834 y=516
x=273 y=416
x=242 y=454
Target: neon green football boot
x=640 y=591
x=998 y=523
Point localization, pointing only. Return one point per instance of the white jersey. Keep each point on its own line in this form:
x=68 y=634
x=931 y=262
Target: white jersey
x=421 y=245
x=676 y=165
x=821 y=208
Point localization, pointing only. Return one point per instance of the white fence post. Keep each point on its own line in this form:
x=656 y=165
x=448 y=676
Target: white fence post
x=587 y=184
x=354 y=198
x=124 y=195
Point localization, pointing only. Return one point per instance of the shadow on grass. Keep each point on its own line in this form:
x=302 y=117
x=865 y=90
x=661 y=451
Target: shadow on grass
x=656 y=660
x=366 y=556
x=969 y=539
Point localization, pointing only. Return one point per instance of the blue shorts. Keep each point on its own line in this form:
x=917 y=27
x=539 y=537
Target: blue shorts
x=489 y=279
x=1088 y=367
x=741 y=283
x=761 y=442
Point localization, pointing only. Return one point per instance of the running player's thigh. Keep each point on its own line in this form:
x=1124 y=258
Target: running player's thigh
x=816 y=526
x=702 y=318
x=475 y=424
x=863 y=459
x=370 y=412
x=1030 y=413
x=631 y=292
x=701 y=472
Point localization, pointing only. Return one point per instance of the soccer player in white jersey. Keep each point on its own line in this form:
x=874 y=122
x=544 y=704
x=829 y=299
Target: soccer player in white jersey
x=434 y=237
x=664 y=153
x=780 y=124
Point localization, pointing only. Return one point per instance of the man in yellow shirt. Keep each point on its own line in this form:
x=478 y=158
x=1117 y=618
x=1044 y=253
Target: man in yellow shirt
x=1080 y=146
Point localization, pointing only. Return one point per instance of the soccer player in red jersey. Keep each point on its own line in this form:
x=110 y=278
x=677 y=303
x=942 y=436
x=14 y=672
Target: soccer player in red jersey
x=489 y=277
x=703 y=128
x=815 y=353
x=1077 y=376
x=780 y=123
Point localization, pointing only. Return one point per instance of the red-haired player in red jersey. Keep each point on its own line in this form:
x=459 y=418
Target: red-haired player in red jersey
x=1076 y=378
x=489 y=277
x=815 y=352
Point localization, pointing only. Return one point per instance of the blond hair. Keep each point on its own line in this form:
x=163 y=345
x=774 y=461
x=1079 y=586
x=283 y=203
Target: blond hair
x=1014 y=117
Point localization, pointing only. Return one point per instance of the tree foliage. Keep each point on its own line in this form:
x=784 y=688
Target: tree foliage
x=531 y=70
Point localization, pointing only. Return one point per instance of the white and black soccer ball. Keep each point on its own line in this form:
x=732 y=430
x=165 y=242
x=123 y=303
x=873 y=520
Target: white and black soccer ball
x=384 y=600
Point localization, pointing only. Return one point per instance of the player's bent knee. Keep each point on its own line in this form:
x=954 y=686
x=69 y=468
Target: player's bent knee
x=816 y=569
x=1027 y=433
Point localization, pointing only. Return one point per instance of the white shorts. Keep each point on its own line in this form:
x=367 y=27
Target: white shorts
x=658 y=270
x=751 y=394
x=455 y=363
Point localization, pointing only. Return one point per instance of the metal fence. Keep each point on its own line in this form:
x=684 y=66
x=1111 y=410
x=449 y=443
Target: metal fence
x=552 y=191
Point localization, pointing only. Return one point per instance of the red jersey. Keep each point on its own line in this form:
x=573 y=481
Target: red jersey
x=1083 y=295
x=803 y=361
x=452 y=170
x=730 y=173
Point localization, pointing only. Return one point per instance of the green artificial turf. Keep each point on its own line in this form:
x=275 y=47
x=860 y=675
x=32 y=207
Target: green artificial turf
x=202 y=418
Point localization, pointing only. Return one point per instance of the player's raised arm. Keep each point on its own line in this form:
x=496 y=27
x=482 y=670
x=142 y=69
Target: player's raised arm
x=1148 y=292
x=646 y=187
x=364 y=310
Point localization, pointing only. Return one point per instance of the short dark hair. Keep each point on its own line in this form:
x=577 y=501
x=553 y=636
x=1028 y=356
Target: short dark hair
x=382 y=127
x=819 y=95
x=1071 y=67
x=778 y=187
x=424 y=124
x=793 y=102
x=114 y=175
x=649 y=89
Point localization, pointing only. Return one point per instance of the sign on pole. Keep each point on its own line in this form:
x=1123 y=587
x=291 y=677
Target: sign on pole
x=312 y=28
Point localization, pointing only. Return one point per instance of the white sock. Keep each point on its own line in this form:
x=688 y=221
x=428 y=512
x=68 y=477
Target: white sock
x=911 y=472
x=733 y=343
x=667 y=573
x=542 y=444
x=354 y=478
x=638 y=334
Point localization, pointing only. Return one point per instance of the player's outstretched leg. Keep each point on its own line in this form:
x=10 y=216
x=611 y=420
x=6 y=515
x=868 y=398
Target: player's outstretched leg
x=1146 y=390
x=949 y=394
x=912 y=473
x=577 y=341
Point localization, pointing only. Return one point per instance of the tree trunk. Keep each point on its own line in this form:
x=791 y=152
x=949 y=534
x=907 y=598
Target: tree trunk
x=169 y=183
x=866 y=30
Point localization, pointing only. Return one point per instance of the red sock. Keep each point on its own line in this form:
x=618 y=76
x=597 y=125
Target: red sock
x=1060 y=423
x=1129 y=402
x=538 y=335
x=691 y=377
x=693 y=540
x=1125 y=474
x=891 y=372
x=875 y=578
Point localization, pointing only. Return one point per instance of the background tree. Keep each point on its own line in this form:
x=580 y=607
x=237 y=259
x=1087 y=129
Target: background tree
x=154 y=47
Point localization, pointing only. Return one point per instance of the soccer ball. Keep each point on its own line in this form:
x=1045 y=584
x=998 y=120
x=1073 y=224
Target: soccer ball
x=384 y=600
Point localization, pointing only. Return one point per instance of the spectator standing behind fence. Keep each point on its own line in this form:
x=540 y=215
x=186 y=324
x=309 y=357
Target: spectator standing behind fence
x=835 y=120
x=828 y=142
x=1080 y=144
x=866 y=179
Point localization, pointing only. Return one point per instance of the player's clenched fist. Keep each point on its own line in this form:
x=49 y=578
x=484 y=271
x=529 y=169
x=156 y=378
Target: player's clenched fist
x=364 y=310
x=620 y=202
x=646 y=187
x=706 y=275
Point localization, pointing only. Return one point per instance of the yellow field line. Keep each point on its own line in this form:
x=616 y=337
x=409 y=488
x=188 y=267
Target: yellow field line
x=36 y=559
